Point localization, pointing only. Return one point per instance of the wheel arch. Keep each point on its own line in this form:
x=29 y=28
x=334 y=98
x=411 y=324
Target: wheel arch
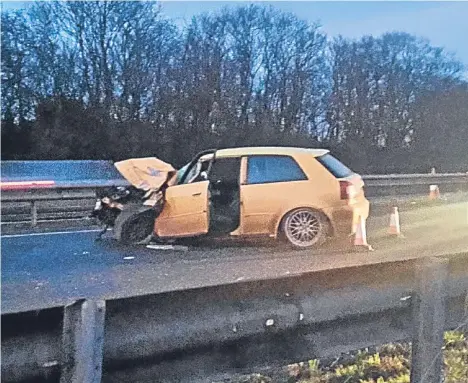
x=279 y=222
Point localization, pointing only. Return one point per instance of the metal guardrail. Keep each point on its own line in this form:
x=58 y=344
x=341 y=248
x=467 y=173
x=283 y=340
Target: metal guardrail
x=64 y=170
x=418 y=179
x=65 y=201
x=25 y=205
x=205 y=333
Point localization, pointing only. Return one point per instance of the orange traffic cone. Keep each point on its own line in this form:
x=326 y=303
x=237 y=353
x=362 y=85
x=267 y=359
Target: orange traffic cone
x=434 y=192
x=394 y=228
x=360 y=237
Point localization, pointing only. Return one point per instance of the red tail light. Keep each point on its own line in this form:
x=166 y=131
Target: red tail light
x=347 y=190
x=344 y=191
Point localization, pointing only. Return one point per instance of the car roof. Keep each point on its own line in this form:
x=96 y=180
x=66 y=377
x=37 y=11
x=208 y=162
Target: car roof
x=268 y=150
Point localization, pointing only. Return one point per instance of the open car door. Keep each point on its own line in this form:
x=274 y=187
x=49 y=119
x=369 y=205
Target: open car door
x=186 y=211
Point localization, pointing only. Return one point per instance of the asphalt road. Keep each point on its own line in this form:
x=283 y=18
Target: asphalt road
x=52 y=269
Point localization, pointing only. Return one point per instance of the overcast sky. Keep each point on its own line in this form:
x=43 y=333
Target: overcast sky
x=444 y=23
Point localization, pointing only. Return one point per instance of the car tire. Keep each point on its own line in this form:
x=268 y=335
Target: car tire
x=305 y=228
x=134 y=227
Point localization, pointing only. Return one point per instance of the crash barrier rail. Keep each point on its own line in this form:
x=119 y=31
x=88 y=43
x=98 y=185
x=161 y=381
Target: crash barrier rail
x=206 y=333
x=65 y=170
x=63 y=201
x=73 y=201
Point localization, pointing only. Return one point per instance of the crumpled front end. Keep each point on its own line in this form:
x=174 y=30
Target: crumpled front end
x=131 y=210
x=148 y=173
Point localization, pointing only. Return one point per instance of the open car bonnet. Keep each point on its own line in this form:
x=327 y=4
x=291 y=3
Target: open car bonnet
x=146 y=173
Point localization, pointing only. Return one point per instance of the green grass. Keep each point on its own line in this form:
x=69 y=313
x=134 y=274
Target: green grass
x=389 y=364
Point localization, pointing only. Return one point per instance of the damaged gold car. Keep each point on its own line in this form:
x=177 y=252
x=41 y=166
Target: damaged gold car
x=303 y=196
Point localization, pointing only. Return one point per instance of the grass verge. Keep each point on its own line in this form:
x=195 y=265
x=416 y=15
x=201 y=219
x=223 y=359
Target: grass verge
x=389 y=363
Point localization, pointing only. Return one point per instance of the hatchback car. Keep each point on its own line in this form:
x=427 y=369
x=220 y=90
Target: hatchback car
x=301 y=195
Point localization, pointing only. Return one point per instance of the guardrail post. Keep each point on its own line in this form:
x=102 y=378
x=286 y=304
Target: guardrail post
x=82 y=342
x=428 y=321
x=33 y=214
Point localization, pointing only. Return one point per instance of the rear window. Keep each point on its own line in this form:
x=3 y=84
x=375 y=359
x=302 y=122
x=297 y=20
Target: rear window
x=334 y=166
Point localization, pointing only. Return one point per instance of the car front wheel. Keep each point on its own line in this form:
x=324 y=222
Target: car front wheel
x=135 y=227
x=304 y=228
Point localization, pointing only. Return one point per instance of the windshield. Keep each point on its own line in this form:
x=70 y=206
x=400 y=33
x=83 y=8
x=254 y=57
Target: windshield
x=181 y=172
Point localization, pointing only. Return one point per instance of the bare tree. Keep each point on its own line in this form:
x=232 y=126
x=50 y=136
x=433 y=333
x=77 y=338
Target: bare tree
x=116 y=79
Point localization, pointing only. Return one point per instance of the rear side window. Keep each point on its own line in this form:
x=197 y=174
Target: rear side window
x=268 y=169
x=334 y=166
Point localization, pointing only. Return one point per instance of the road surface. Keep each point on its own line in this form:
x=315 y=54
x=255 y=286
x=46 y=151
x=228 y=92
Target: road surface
x=52 y=269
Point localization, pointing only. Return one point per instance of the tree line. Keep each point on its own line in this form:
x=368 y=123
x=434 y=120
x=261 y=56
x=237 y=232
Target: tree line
x=112 y=80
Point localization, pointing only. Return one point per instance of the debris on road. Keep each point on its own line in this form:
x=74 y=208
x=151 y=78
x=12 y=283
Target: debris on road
x=168 y=247
x=405 y=298
x=128 y=258
x=39 y=285
x=51 y=364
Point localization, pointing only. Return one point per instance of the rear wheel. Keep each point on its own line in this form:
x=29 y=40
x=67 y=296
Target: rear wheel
x=304 y=228
x=135 y=227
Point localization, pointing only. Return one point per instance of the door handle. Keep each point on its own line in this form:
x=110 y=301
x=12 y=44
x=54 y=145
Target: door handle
x=196 y=194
